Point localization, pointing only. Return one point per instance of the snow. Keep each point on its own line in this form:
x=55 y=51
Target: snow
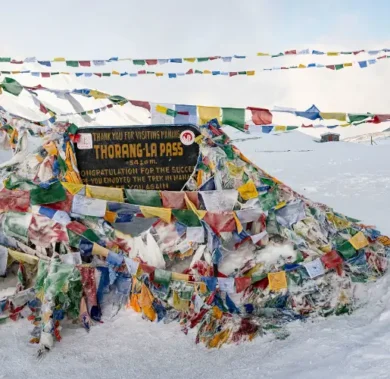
x=352 y=178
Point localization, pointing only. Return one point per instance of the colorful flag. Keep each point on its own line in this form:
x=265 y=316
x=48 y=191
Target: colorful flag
x=208 y=113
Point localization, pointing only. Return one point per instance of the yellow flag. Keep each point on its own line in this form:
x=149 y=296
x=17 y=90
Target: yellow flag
x=146 y=298
x=179 y=304
x=110 y=216
x=190 y=59
x=22 y=257
x=206 y=72
x=238 y=223
x=333 y=116
x=384 y=240
x=359 y=241
x=15 y=72
x=51 y=148
x=234 y=170
x=301 y=66
x=348 y=64
x=208 y=113
x=248 y=190
x=199 y=179
x=199 y=139
x=277 y=280
x=59 y=59
x=98 y=95
x=280 y=205
x=116 y=73
x=64 y=73
x=162 y=213
x=345 y=125
x=263 y=54
x=159 y=74
x=280 y=128
x=99 y=250
x=190 y=205
x=161 y=109
x=250 y=73
x=105 y=193
x=338 y=221
x=73 y=188
x=332 y=53
x=178 y=276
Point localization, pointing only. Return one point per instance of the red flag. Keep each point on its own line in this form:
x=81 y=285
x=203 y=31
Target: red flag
x=98 y=74
x=261 y=116
x=85 y=63
x=233 y=73
x=151 y=62
x=146 y=268
x=42 y=108
x=331 y=66
x=357 y=52
x=45 y=74
x=331 y=259
x=65 y=205
x=142 y=104
x=142 y=72
x=290 y=52
x=307 y=126
x=380 y=118
x=221 y=221
x=242 y=284
x=76 y=227
x=18 y=201
x=190 y=71
x=16 y=62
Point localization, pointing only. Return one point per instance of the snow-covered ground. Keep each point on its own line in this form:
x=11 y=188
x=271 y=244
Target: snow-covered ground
x=352 y=178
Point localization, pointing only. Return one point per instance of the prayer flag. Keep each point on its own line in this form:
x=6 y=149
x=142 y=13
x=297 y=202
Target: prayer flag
x=277 y=280
x=261 y=116
x=234 y=117
x=208 y=113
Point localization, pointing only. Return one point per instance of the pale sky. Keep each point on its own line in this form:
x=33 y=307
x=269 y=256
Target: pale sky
x=97 y=29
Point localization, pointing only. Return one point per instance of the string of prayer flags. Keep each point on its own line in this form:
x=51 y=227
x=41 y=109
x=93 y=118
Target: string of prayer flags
x=162 y=61
x=215 y=73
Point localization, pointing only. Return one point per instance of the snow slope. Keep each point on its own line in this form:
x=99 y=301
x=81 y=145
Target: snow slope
x=354 y=179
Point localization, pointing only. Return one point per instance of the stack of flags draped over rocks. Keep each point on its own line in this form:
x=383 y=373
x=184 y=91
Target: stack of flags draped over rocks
x=235 y=255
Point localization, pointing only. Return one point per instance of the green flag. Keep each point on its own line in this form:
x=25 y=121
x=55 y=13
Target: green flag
x=357 y=117
x=5 y=60
x=143 y=197
x=186 y=217
x=339 y=66
x=117 y=99
x=12 y=86
x=162 y=277
x=16 y=225
x=53 y=194
x=139 y=62
x=234 y=117
x=346 y=250
x=72 y=63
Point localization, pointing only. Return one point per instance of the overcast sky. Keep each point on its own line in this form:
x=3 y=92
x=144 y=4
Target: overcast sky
x=97 y=29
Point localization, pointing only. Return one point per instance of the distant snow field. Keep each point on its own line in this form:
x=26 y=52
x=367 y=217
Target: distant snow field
x=352 y=178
